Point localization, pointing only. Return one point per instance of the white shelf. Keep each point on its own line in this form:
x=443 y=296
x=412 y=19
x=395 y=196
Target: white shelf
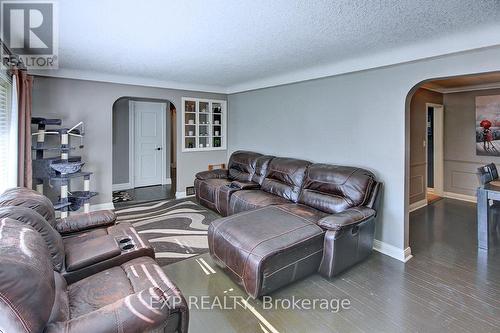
x=199 y=129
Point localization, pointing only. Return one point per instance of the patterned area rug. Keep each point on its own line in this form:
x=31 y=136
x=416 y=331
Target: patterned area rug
x=176 y=229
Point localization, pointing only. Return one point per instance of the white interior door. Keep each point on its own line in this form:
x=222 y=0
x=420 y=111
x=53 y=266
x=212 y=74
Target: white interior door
x=149 y=138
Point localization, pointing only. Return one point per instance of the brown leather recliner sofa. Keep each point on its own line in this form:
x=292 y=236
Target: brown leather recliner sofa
x=81 y=244
x=288 y=219
x=133 y=297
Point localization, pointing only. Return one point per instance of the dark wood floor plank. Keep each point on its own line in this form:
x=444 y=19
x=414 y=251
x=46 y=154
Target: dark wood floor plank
x=449 y=286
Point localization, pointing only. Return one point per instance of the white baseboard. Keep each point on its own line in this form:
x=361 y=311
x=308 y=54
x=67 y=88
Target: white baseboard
x=121 y=187
x=417 y=205
x=93 y=208
x=167 y=181
x=392 y=251
x=106 y=205
x=180 y=195
x=459 y=196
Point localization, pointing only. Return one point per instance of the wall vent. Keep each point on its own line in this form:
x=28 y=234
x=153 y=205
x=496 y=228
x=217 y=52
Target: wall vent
x=190 y=190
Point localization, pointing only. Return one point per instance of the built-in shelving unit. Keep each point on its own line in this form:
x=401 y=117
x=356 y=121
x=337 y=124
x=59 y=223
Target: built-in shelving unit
x=203 y=124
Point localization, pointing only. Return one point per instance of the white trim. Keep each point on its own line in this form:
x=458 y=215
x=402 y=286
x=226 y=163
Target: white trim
x=121 y=187
x=417 y=205
x=75 y=74
x=458 y=196
x=438 y=136
x=131 y=143
x=392 y=251
x=472 y=87
x=181 y=195
x=168 y=181
x=102 y=206
x=164 y=145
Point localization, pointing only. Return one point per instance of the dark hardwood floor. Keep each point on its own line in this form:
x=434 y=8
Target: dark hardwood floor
x=448 y=286
x=147 y=194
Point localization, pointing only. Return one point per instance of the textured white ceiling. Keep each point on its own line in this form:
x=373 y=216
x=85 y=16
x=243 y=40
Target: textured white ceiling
x=229 y=43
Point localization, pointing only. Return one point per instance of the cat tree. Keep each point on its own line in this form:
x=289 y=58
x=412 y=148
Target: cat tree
x=60 y=171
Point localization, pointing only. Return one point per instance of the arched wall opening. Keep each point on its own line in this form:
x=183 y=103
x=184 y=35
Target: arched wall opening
x=462 y=153
x=124 y=171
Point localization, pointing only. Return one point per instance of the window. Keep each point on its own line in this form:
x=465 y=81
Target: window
x=8 y=135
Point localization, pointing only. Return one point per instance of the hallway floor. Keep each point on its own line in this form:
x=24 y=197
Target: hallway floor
x=448 y=286
x=146 y=194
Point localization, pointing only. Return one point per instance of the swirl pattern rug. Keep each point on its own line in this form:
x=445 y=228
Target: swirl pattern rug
x=176 y=229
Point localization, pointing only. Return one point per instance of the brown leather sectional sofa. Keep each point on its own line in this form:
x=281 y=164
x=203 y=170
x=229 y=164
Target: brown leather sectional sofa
x=287 y=218
x=83 y=273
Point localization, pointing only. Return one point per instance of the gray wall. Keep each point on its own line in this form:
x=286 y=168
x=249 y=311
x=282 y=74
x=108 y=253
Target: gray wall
x=460 y=159
x=418 y=134
x=92 y=102
x=121 y=138
x=359 y=119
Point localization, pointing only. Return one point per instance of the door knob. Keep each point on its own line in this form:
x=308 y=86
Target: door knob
x=159 y=148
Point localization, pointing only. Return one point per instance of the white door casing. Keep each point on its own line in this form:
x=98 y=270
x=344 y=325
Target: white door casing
x=438 y=135
x=149 y=143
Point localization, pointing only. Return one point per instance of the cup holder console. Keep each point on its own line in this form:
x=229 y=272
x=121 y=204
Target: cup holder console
x=125 y=240
x=126 y=244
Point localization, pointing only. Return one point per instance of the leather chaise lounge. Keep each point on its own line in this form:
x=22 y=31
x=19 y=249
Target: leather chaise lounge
x=34 y=297
x=291 y=219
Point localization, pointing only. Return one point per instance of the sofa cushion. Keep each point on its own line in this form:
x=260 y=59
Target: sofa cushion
x=241 y=165
x=261 y=166
x=284 y=177
x=311 y=214
x=120 y=231
x=266 y=248
x=333 y=188
x=133 y=297
x=250 y=199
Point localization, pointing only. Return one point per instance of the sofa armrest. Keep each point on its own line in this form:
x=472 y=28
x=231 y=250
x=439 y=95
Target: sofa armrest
x=212 y=174
x=85 y=221
x=244 y=185
x=348 y=217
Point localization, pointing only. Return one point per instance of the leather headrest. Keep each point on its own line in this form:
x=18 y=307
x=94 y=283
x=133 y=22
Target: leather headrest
x=27 y=288
x=334 y=188
x=284 y=177
x=51 y=237
x=241 y=165
x=24 y=197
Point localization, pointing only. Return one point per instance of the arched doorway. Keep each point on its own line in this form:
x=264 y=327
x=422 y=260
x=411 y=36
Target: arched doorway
x=144 y=150
x=450 y=223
